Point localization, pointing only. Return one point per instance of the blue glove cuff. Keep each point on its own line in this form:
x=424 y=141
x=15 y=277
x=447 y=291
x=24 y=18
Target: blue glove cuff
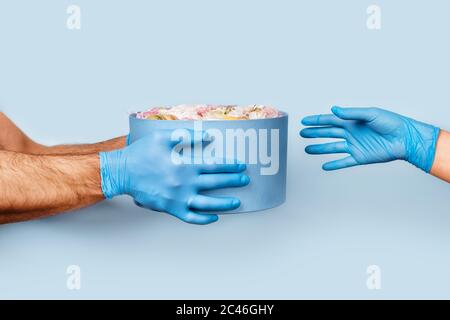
x=421 y=147
x=108 y=171
x=432 y=150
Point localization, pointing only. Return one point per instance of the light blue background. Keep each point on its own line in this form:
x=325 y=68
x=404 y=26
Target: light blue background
x=65 y=86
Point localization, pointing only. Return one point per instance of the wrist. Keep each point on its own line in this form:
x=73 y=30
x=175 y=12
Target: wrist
x=421 y=144
x=110 y=170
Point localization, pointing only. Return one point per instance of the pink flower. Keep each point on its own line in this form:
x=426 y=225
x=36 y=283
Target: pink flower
x=209 y=112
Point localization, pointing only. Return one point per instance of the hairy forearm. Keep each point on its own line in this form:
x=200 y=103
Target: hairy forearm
x=33 y=186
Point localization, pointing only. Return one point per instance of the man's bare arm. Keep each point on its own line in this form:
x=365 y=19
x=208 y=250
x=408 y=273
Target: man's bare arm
x=14 y=139
x=34 y=186
x=83 y=149
x=441 y=165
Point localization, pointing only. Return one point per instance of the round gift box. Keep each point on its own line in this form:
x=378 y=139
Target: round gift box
x=260 y=143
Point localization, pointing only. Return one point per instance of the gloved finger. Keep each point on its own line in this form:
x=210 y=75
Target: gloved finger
x=138 y=204
x=224 y=166
x=322 y=120
x=328 y=148
x=340 y=164
x=361 y=114
x=207 y=203
x=197 y=218
x=222 y=180
x=143 y=207
x=188 y=137
x=323 y=132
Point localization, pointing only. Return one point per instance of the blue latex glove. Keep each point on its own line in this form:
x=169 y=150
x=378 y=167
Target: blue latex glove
x=371 y=135
x=145 y=171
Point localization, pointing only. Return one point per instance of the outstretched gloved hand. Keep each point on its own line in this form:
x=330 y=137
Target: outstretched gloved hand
x=371 y=135
x=145 y=171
